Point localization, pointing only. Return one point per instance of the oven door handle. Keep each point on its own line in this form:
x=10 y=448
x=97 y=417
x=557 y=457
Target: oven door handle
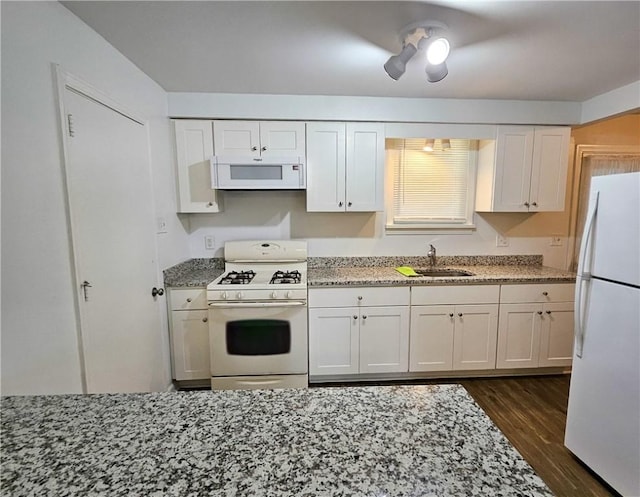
x=239 y=305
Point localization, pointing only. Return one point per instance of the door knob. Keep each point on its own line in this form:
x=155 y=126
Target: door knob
x=157 y=291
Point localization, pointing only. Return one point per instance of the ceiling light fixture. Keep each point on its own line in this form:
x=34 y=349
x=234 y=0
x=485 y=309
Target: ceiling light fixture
x=428 y=145
x=417 y=36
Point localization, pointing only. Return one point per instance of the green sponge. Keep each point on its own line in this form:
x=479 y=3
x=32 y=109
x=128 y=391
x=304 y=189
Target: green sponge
x=407 y=271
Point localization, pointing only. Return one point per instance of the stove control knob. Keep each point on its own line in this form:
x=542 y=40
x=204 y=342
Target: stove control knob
x=223 y=295
x=239 y=295
x=289 y=294
x=274 y=295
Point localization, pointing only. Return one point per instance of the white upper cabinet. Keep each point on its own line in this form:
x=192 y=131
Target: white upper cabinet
x=259 y=138
x=523 y=170
x=194 y=147
x=345 y=167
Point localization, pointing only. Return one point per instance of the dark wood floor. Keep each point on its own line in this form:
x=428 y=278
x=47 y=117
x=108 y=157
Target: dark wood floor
x=531 y=412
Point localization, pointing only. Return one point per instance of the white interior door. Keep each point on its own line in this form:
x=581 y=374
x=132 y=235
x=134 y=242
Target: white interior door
x=111 y=209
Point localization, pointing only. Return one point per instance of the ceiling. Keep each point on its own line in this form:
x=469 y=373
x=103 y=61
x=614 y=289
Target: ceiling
x=528 y=50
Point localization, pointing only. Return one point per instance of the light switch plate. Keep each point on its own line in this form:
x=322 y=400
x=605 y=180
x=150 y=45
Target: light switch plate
x=556 y=241
x=502 y=241
x=209 y=242
x=161 y=224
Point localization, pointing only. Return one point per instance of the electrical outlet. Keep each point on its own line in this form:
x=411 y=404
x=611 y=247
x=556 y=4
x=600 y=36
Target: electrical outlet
x=161 y=225
x=556 y=241
x=209 y=242
x=502 y=241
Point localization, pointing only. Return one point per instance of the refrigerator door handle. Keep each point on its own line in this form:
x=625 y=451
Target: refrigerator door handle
x=584 y=277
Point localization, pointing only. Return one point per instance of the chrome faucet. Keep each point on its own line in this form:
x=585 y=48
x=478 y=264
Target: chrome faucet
x=432 y=255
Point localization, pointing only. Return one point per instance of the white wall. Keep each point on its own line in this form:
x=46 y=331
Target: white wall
x=282 y=215
x=39 y=346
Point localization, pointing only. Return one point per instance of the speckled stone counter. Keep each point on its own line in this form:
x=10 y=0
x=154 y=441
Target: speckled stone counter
x=379 y=271
x=193 y=273
x=395 y=441
x=386 y=276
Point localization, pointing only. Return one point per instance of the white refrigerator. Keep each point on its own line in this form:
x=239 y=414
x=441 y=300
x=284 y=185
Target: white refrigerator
x=603 y=416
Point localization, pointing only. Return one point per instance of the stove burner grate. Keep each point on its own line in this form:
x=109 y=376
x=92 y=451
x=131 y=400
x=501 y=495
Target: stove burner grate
x=286 y=277
x=237 y=278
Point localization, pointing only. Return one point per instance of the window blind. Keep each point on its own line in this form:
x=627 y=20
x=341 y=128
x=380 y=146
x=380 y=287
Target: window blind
x=430 y=187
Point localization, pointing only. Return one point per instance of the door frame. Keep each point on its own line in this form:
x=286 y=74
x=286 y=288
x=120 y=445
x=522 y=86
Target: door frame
x=579 y=153
x=63 y=81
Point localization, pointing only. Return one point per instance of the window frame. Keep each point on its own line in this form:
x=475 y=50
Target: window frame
x=449 y=228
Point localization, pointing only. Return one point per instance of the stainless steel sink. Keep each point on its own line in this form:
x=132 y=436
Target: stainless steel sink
x=442 y=272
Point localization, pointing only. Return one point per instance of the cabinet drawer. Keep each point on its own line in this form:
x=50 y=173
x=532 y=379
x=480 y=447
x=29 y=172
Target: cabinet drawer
x=442 y=295
x=539 y=292
x=192 y=298
x=353 y=297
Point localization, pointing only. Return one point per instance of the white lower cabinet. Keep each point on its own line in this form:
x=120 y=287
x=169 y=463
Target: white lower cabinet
x=189 y=332
x=453 y=328
x=358 y=330
x=536 y=326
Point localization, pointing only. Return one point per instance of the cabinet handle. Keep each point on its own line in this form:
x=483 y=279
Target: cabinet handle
x=460 y=314
x=545 y=293
x=189 y=299
x=451 y=314
x=355 y=317
x=535 y=204
x=157 y=291
x=209 y=204
x=526 y=204
x=254 y=149
x=359 y=297
x=540 y=313
x=364 y=317
x=204 y=320
x=349 y=204
x=339 y=204
x=264 y=149
x=548 y=312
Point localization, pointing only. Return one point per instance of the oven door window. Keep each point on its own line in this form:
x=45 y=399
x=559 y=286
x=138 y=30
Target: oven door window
x=258 y=337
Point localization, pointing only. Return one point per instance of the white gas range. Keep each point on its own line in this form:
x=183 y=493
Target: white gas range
x=258 y=316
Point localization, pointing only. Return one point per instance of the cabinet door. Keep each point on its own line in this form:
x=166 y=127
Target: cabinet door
x=237 y=138
x=384 y=339
x=279 y=138
x=194 y=147
x=333 y=341
x=519 y=335
x=549 y=169
x=431 y=338
x=326 y=160
x=190 y=341
x=475 y=335
x=365 y=167
x=514 y=153
x=556 y=335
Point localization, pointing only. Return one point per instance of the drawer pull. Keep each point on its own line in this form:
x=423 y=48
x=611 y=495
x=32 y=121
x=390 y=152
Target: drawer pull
x=545 y=293
x=549 y=312
x=359 y=297
x=451 y=314
x=204 y=320
x=459 y=314
x=355 y=317
x=540 y=313
x=364 y=317
x=189 y=299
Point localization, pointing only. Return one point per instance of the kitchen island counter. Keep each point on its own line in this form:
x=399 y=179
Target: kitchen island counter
x=351 y=441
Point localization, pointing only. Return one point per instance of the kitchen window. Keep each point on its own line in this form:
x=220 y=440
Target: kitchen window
x=430 y=190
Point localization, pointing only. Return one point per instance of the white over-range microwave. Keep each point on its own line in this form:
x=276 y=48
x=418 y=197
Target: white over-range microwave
x=256 y=173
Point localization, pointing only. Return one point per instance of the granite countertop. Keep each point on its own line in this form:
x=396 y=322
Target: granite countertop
x=428 y=440
x=379 y=271
x=385 y=276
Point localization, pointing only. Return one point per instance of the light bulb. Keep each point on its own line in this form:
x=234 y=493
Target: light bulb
x=438 y=51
